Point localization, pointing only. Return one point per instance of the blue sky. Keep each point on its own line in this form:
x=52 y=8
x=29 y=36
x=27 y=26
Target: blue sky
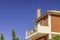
x=19 y=15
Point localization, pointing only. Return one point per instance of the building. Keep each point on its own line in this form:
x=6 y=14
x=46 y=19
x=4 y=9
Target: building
x=47 y=26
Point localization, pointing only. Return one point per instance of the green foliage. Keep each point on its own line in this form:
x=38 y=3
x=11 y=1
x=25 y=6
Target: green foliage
x=17 y=38
x=14 y=35
x=56 y=38
x=1 y=37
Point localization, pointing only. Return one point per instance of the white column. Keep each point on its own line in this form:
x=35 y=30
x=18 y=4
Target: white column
x=49 y=24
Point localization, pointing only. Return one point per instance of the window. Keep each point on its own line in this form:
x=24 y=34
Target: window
x=41 y=22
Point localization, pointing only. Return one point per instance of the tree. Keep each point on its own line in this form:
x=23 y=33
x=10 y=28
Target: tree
x=57 y=37
x=17 y=38
x=1 y=36
x=14 y=35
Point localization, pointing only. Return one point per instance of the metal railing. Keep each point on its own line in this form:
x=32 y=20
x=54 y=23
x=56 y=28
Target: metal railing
x=29 y=32
x=34 y=29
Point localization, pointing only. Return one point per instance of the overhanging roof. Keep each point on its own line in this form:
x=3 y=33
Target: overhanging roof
x=55 y=12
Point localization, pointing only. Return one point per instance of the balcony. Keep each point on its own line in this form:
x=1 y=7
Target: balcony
x=37 y=31
x=33 y=30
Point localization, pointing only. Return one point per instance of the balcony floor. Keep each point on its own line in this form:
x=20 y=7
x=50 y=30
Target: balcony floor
x=36 y=35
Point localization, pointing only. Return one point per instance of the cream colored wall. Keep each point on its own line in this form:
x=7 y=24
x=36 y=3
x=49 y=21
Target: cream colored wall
x=43 y=29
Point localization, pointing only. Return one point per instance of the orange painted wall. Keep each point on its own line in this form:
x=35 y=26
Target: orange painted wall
x=55 y=23
x=45 y=21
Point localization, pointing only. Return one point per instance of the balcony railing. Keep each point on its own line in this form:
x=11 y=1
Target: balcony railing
x=40 y=29
x=29 y=32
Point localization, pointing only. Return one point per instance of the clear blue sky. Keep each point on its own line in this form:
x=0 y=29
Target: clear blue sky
x=19 y=15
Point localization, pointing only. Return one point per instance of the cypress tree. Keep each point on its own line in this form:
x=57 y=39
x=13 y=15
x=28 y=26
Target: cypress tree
x=14 y=35
x=1 y=37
